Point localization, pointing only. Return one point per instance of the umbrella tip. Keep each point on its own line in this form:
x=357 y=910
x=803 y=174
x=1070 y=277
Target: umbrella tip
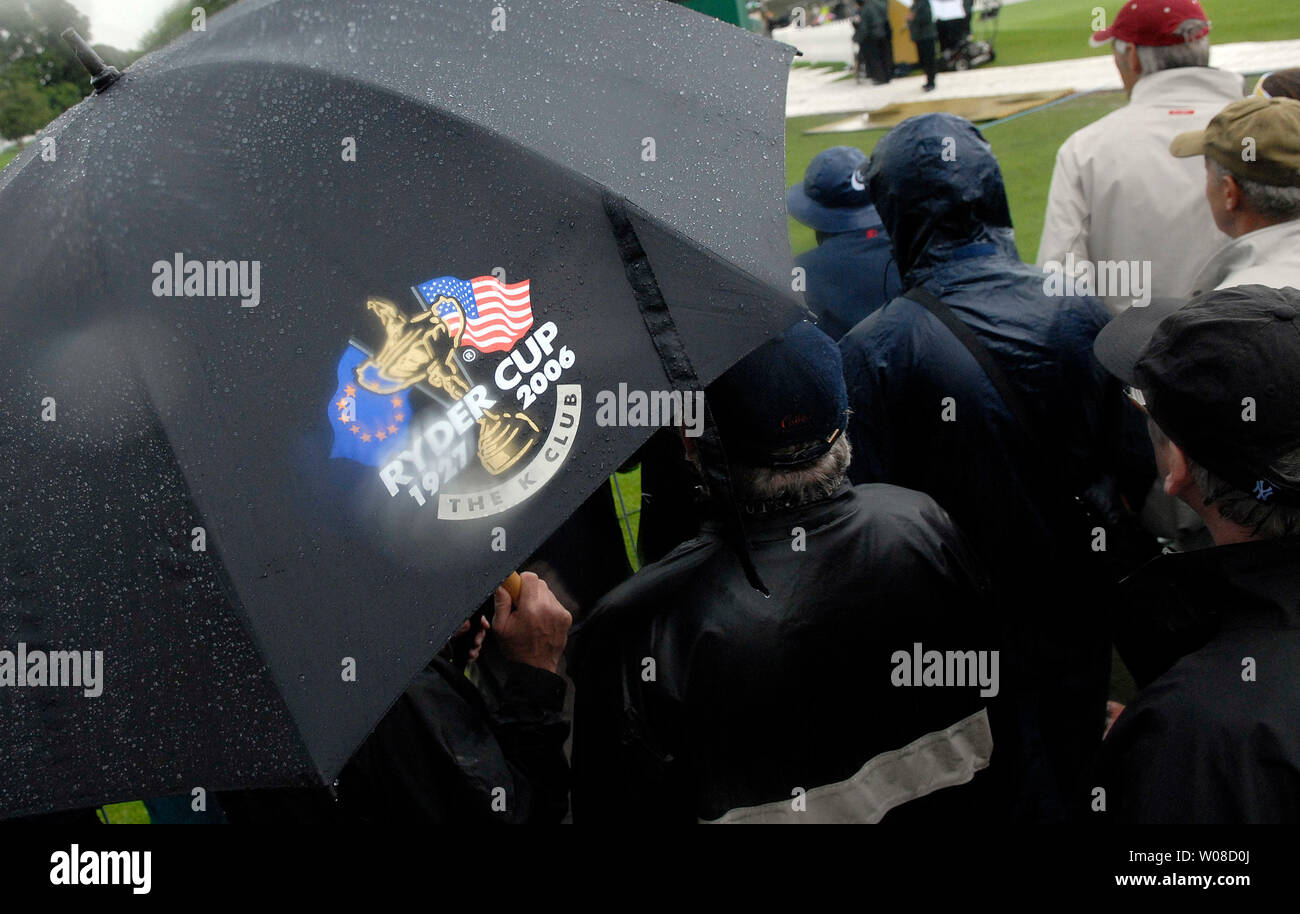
x=101 y=75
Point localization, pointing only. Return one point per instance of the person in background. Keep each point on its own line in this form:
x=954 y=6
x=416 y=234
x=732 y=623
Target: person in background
x=851 y=272
x=450 y=752
x=951 y=24
x=700 y=698
x=1252 y=166
x=1282 y=84
x=875 y=38
x=1214 y=734
x=920 y=23
x=928 y=416
x=1115 y=196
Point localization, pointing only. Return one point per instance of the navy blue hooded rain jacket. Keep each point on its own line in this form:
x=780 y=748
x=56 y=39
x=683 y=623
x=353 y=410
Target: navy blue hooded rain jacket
x=927 y=417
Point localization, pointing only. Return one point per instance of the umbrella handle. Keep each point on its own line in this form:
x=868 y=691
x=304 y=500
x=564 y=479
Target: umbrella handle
x=513 y=585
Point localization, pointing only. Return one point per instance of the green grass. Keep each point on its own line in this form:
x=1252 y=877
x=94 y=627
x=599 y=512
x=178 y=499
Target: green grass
x=835 y=65
x=130 y=813
x=1026 y=147
x=1059 y=29
x=8 y=156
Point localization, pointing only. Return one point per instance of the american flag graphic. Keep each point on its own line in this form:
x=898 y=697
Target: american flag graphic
x=496 y=315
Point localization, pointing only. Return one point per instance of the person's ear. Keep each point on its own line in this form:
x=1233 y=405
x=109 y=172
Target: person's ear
x=1133 y=60
x=1232 y=194
x=1178 y=474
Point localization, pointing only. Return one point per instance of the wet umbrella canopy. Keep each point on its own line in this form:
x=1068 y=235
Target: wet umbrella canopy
x=305 y=314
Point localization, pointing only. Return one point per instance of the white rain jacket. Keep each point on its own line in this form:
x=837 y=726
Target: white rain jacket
x=1265 y=257
x=1118 y=194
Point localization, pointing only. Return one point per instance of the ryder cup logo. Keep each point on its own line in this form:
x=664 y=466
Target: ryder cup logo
x=412 y=407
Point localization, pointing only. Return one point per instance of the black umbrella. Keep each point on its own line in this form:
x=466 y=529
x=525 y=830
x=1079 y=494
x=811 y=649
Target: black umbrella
x=305 y=319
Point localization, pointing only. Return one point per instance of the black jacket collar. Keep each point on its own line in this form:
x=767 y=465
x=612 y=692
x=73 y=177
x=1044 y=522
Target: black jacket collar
x=764 y=520
x=1245 y=585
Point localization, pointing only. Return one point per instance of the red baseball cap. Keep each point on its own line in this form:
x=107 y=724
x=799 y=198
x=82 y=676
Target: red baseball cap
x=1156 y=23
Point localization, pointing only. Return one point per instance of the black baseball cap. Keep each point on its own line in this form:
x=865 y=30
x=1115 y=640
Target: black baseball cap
x=784 y=404
x=1196 y=364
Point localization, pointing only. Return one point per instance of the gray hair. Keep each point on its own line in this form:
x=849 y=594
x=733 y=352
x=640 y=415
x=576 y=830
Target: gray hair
x=1275 y=203
x=1175 y=56
x=1264 y=521
x=814 y=481
x=1243 y=509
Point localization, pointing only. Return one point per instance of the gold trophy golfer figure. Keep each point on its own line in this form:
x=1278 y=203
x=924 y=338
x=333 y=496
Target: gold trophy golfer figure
x=422 y=348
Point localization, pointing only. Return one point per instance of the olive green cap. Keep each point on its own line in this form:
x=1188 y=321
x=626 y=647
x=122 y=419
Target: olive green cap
x=1255 y=138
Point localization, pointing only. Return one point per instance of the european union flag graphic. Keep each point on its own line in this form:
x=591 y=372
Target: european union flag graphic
x=367 y=426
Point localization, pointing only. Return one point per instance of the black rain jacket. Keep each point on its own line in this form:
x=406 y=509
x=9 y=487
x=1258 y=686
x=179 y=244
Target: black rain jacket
x=1215 y=737
x=697 y=697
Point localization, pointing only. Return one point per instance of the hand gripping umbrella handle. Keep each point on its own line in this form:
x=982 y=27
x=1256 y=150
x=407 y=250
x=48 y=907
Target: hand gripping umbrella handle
x=513 y=584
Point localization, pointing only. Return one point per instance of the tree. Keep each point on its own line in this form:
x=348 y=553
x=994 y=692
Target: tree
x=31 y=30
x=39 y=74
x=23 y=110
x=176 y=20
x=115 y=57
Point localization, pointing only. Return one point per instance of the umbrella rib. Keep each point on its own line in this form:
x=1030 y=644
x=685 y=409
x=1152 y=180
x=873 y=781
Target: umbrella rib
x=676 y=364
